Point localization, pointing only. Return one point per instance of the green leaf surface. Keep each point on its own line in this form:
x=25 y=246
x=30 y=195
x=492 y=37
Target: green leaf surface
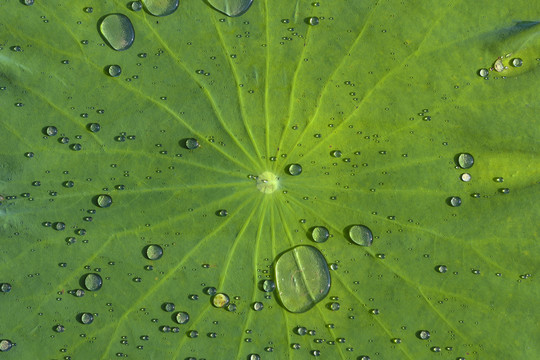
x=392 y=85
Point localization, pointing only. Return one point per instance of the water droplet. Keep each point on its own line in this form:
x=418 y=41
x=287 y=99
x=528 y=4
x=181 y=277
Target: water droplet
x=320 y=234
x=313 y=21
x=86 y=318
x=114 y=70
x=442 y=268
x=94 y=127
x=465 y=177
x=222 y=213
x=161 y=7
x=154 y=252
x=231 y=8
x=361 y=235
x=104 y=201
x=93 y=282
x=231 y=307
x=117 y=31
x=135 y=5
x=424 y=334
x=254 y=357
x=210 y=291
x=268 y=285
x=396 y=340
x=336 y=153
x=483 y=72
x=334 y=306
x=59 y=226
x=193 y=334
x=294 y=169
x=315 y=352
x=79 y=293
x=517 y=62
x=168 y=306
x=68 y=184
x=436 y=349
x=302 y=278
x=505 y=190
x=465 y=160
x=498 y=179
x=51 y=130
x=454 y=201
x=498 y=65
x=59 y=328
x=28 y=2
x=257 y=306
x=190 y=143
x=182 y=317
x=220 y=300
x=5 y=287
x=5 y=344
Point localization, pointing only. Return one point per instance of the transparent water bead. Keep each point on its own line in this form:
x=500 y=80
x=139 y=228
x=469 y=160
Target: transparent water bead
x=5 y=344
x=182 y=317
x=160 y=7
x=87 y=318
x=154 y=252
x=465 y=177
x=267 y=182
x=231 y=8
x=455 y=201
x=191 y=143
x=465 y=160
x=51 y=130
x=135 y=5
x=268 y=285
x=93 y=282
x=220 y=300
x=302 y=278
x=114 y=70
x=361 y=235
x=117 y=31
x=313 y=21
x=294 y=169
x=104 y=201
x=483 y=72
x=424 y=334
x=517 y=62
x=320 y=234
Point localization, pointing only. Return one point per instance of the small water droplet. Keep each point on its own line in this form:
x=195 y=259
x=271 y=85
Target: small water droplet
x=361 y=235
x=182 y=317
x=313 y=21
x=320 y=234
x=334 y=306
x=160 y=7
x=117 y=31
x=28 y=2
x=424 y=334
x=336 y=153
x=5 y=345
x=483 y=72
x=268 y=285
x=193 y=334
x=257 y=306
x=220 y=300
x=168 y=306
x=300 y=330
x=104 y=201
x=222 y=213
x=505 y=190
x=517 y=62
x=442 y=268
x=455 y=201
x=135 y=5
x=51 y=130
x=294 y=169
x=5 y=287
x=190 y=143
x=465 y=177
x=231 y=8
x=94 y=127
x=114 y=70
x=92 y=281
x=86 y=318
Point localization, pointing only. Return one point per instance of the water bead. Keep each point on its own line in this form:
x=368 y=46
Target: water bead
x=160 y=7
x=294 y=169
x=51 y=130
x=117 y=31
x=483 y=72
x=220 y=300
x=313 y=21
x=257 y=306
x=302 y=278
x=320 y=234
x=87 y=318
x=191 y=143
x=135 y=5
x=5 y=345
x=154 y=252
x=231 y=8
x=465 y=160
x=104 y=201
x=93 y=282
x=5 y=287
x=465 y=177
x=114 y=70
x=424 y=334
x=300 y=330
x=517 y=62
x=268 y=285
x=94 y=127
x=182 y=317
x=361 y=235
x=442 y=268
x=455 y=201
x=169 y=307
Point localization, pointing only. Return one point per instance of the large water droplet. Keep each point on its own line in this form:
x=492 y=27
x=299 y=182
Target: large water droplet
x=302 y=278
x=320 y=234
x=5 y=344
x=161 y=7
x=153 y=252
x=92 y=282
x=118 y=31
x=361 y=235
x=231 y=7
x=104 y=201
x=465 y=160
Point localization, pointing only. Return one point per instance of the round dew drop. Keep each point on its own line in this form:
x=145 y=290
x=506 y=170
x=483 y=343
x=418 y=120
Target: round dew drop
x=51 y=130
x=455 y=201
x=294 y=169
x=424 y=334
x=483 y=72
x=465 y=160
x=161 y=7
x=191 y=144
x=135 y=5
x=313 y=21
x=114 y=70
x=258 y=306
x=5 y=345
x=117 y=31
x=104 y=201
x=182 y=317
x=320 y=234
x=361 y=235
x=154 y=252
x=87 y=318
x=93 y=282
x=268 y=285
x=517 y=62
x=220 y=300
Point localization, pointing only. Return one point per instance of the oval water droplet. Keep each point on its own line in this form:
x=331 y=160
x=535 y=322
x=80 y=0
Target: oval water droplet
x=424 y=334
x=294 y=169
x=160 y=7
x=268 y=285
x=320 y=234
x=220 y=300
x=114 y=70
x=517 y=62
x=455 y=201
x=313 y=21
x=117 y=31
x=86 y=318
x=93 y=282
x=104 y=201
x=361 y=235
x=153 y=252
x=182 y=317
x=483 y=72
x=231 y=8
x=302 y=278
x=5 y=344
x=465 y=160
